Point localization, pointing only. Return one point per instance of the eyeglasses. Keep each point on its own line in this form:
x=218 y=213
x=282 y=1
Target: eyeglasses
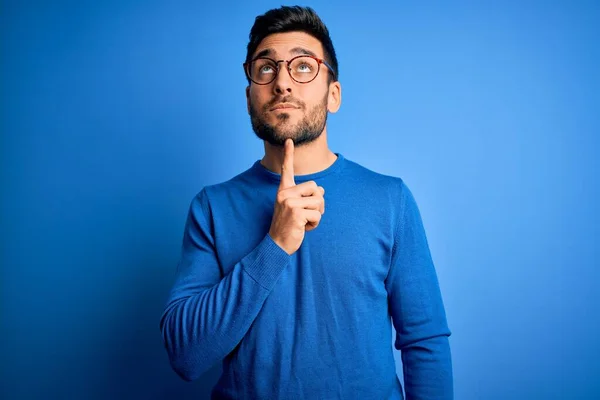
x=302 y=69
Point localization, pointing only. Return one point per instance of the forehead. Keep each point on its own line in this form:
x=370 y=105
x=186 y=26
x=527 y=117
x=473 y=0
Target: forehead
x=289 y=44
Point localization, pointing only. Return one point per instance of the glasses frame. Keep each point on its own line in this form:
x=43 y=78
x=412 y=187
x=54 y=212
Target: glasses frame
x=288 y=62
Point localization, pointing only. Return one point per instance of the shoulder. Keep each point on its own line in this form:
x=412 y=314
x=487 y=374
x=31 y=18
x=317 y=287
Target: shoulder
x=391 y=193
x=219 y=193
x=394 y=185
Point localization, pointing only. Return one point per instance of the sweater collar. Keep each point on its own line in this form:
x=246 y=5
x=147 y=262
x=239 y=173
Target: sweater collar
x=337 y=165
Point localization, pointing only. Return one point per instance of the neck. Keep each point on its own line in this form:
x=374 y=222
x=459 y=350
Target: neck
x=308 y=159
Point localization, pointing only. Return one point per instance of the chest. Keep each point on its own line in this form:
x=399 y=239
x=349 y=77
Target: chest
x=350 y=250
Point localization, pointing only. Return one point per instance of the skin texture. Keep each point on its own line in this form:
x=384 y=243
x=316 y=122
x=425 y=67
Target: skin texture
x=295 y=138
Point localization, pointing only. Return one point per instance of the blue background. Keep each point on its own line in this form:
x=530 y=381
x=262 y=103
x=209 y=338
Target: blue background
x=115 y=114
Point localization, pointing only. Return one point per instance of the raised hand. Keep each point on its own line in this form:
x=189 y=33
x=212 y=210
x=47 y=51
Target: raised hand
x=298 y=208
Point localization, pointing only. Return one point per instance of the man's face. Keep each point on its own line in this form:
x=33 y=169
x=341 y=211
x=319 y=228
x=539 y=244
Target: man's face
x=285 y=108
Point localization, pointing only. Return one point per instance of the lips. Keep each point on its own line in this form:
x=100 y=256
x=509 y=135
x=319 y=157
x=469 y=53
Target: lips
x=284 y=106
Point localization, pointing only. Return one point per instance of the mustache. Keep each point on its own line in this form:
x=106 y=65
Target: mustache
x=280 y=100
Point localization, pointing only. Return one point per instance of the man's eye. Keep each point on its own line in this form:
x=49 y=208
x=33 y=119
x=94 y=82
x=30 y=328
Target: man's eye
x=304 y=68
x=266 y=69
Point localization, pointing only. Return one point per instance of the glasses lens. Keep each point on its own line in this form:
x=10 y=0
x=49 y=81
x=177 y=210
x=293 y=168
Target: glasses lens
x=304 y=69
x=262 y=70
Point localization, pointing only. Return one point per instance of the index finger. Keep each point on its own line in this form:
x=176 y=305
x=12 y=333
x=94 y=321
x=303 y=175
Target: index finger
x=287 y=168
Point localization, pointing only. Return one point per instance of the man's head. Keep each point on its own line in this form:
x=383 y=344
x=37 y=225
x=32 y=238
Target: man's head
x=291 y=100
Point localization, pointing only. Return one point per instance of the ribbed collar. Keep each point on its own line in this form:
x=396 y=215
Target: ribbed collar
x=337 y=166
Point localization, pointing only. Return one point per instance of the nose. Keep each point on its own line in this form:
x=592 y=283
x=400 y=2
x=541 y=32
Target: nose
x=283 y=81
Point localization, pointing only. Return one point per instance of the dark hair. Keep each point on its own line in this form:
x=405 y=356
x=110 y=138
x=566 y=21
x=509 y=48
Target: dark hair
x=289 y=19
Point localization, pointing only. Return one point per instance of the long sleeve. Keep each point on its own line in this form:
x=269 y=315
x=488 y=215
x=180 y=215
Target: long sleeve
x=417 y=309
x=208 y=314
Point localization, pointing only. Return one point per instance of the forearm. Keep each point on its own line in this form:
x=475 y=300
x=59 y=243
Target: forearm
x=427 y=367
x=200 y=326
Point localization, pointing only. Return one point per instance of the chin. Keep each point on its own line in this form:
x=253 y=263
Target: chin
x=283 y=118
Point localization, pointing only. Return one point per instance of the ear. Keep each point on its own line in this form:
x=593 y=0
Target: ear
x=248 y=98
x=334 y=99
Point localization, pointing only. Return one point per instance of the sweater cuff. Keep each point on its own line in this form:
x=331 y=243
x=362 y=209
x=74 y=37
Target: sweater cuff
x=266 y=263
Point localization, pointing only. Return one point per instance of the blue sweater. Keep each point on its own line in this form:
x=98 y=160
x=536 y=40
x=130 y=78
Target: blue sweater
x=316 y=324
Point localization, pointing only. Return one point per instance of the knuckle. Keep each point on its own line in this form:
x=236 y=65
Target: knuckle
x=280 y=197
x=285 y=202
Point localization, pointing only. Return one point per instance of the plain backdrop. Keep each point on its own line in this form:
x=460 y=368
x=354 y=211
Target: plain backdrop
x=114 y=114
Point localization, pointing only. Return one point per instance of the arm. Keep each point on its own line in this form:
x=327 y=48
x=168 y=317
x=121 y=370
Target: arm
x=207 y=314
x=417 y=309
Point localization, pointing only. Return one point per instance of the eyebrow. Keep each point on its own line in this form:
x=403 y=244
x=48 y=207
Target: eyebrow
x=294 y=51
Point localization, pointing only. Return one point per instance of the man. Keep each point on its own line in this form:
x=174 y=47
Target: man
x=297 y=302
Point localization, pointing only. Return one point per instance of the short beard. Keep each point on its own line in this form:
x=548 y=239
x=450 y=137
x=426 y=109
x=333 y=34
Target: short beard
x=305 y=131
